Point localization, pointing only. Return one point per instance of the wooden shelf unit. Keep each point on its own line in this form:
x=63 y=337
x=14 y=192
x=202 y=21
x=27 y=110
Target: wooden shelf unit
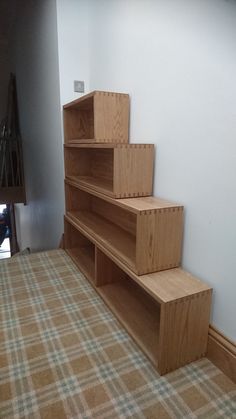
x=166 y=313
x=117 y=170
x=129 y=248
x=99 y=117
x=147 y=236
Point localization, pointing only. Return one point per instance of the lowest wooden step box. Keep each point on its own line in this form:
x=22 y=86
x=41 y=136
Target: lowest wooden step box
x=117 y=170
x=98 y=117
x=145 y=233
x=166 y=313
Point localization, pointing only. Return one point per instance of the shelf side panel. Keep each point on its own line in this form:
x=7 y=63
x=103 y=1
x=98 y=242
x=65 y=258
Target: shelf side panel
x=183 y=331
x=133 y=171
x=111 y=117
x=159 y=240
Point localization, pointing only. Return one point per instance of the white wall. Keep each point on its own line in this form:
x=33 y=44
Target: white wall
x=40 y=223
x=73 y=46
x=50 y=36
x=177 y=60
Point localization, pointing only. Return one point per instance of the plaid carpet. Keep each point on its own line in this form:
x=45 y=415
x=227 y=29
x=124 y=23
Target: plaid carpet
x=64 y=355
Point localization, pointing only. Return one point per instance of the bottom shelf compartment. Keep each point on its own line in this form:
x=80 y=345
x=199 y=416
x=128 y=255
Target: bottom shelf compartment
x=141 y=320
x=81 y=251
x=171 y=331
x=138 y=312
x=84 y=259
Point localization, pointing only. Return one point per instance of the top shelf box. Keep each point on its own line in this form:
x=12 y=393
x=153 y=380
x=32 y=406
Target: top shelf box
x=99 y=117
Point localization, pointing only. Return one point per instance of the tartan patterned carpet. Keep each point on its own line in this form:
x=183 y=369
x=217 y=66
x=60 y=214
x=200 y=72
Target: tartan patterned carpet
x=64 y=355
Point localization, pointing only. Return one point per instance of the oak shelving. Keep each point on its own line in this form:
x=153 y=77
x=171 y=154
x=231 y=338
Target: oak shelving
x=127 y=243
x=147 y=239
x=97 y=117
x=117 y=170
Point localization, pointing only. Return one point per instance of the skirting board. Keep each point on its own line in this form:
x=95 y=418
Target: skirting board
x=222 y=352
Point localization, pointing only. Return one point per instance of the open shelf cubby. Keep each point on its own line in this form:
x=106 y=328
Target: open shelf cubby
x=138 y=312
x=81 y=250
x=146 y=233
x=117 y=170
x=106 y=224
x=97 y=117
x=152 y=308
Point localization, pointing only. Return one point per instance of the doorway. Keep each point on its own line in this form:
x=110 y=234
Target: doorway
x=5 y=248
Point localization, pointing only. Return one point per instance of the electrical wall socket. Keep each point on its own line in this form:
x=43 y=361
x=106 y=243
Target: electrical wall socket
x=79 y=86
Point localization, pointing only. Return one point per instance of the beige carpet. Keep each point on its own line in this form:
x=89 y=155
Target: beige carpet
x=64 y=355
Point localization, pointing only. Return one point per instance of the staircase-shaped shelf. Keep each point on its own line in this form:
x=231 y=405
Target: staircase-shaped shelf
x=129 y=249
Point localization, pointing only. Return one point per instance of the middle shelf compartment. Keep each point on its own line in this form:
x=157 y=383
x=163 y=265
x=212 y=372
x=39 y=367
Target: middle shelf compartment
x=117 y=170
x=145 y=233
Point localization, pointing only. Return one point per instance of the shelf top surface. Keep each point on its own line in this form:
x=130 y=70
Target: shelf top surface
x=172 y=284
x=136 y=205
x=147 y=203
x=91 y=95
x=72 y=144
